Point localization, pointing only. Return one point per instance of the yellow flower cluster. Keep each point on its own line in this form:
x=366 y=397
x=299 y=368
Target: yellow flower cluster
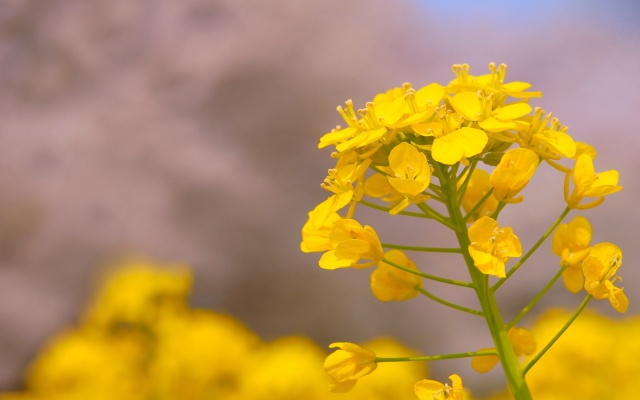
x=457 y=155
x=139 y=340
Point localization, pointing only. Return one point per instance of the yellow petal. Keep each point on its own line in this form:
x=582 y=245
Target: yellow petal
x=512 y=111
x=467 y=104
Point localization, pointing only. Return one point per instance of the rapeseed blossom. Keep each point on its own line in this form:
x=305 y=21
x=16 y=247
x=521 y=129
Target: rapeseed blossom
x=572 y=243
x=516 y=168
x=600 y=267
x=492 y=246
x=348 y=364
x=587 y=183
x=429 y=389
x=388 y=283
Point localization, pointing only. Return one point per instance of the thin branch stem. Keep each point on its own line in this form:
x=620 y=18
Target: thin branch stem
x=557 y=335
x=538 y=297
x=532 y=250
x=447 y=303
x=420 y=248
x=438 y=357
x=429 y=276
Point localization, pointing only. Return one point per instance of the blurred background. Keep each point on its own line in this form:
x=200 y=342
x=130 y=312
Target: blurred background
x=187 y=131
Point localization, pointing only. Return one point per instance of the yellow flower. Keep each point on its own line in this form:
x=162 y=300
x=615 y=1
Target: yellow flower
x=289 y=368
x=512 y=174
x=348 y=364
x=477 y=187
x=572 y=243
x=359 y=132
x=522 y=341
x=411 y=174
x=137 y=293
x=484 y=364
x=549 y=142
x=458 y=145
x=478 y=107
x=428 y=389
x=378 y=186
x=493 y=82
x=350 y=242
x=393 y=380
x=341 y=179
x=491 y=246
x=587 y=183
x=389 y=283
x=599 y=268
x=316 y=231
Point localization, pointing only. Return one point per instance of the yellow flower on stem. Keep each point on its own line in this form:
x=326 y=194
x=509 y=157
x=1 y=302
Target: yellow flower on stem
x=316 y=231
x=458 y=145
x=349 y=169
x=428 y=389
x=512 y=174
x=572 y=243
x=491 y=246
x=478 y=186
x=588 y=183
x=411 y=175
x=350 y=242
x=522 y=341
x=478 y=107
x=348 y=364
x=599 y=268
x=389 y=283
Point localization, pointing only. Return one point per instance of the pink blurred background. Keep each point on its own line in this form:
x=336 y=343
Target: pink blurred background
x=187 y=131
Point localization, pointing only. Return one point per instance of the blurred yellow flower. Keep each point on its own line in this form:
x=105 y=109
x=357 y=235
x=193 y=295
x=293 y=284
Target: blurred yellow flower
x=429 y=389
x=389 y=283
x=572 y=243
x=478 y=186
x=348 y=364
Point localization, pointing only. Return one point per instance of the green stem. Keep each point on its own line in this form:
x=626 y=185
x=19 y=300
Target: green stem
x=385 y=209
x=501 y=205
x=536 y=299
x=478 y=205
x=463 y=188
x=420 y=248
x=532 y=250
x=447 y=303
x=438 y=357
x=428 y=276
x=436 y=215
x=557 y=335
x=497 y=328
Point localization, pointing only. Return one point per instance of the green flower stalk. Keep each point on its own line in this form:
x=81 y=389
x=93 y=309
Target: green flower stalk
x=473 y=146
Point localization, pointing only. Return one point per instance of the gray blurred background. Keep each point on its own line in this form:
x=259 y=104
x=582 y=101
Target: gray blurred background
x=187 y=131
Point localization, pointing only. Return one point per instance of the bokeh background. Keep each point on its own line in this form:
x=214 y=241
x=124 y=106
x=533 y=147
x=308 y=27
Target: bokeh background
x=186 y=131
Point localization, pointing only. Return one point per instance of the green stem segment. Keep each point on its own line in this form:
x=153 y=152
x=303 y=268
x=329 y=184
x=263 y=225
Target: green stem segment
x=447 y=303
x=533 y=249
x=428 y=276
x=535 y=359
x=497 y=328
x=421 y=248
x=438 y=357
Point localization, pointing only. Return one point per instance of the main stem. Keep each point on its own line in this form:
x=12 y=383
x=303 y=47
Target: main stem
x=497 y=327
